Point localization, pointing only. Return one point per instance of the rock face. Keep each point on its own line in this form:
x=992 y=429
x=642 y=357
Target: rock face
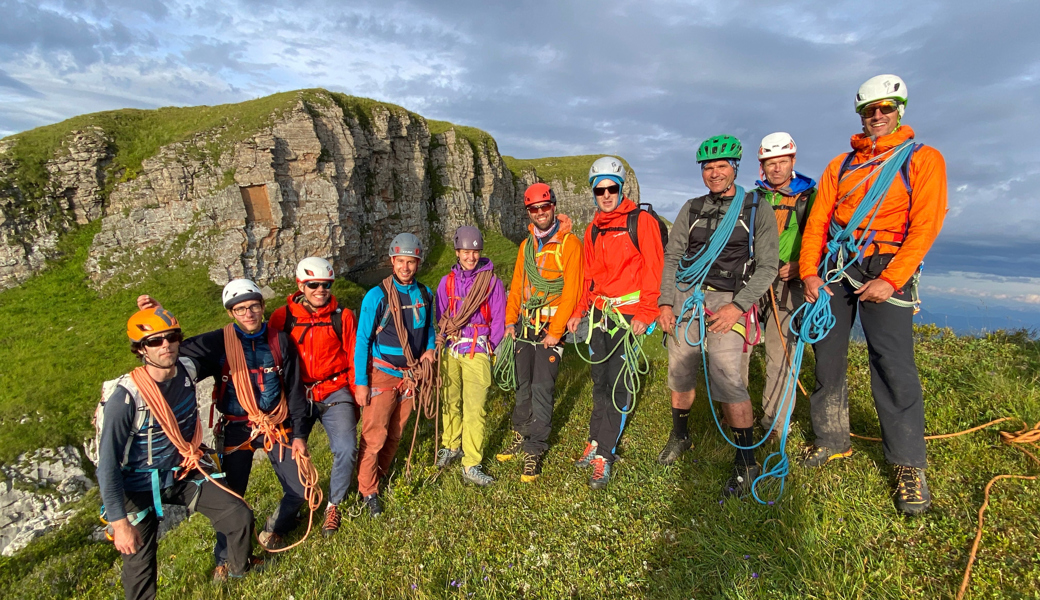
x=321 y=179
x=36 y=488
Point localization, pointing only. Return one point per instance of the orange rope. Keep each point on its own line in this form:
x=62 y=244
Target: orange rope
x=269 y=425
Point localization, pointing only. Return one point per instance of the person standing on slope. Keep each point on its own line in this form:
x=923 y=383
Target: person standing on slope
x=259 y=393
x=471 y=340
x=546 y=285
x=880 y=287
x=324 y=335
x=791 y=195
x=395 y=326
x=622 y=284
x=142 y=464
x=732 y=284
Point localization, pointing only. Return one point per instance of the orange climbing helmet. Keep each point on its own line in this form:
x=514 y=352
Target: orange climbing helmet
x=539 y=193
x=149 y=322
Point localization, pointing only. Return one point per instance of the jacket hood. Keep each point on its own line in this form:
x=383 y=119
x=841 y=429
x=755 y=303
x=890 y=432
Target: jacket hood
x=294 y=302
x=799 y=183
x=862 y=143
x=603 y=219
x=562 y=230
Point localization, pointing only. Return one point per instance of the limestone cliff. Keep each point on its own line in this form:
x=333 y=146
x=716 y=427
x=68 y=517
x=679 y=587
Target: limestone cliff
x=260 y=185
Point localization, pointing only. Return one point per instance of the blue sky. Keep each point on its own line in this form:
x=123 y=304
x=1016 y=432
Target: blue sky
x=644 y=79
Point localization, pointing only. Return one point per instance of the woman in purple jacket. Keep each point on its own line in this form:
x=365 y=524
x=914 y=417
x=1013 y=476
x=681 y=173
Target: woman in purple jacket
x=467 y=361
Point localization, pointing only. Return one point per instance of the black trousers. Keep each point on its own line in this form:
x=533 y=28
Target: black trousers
x=606 y=423
x=894 y=381
x=237 y=468
x=230 y=516
x=536 y=370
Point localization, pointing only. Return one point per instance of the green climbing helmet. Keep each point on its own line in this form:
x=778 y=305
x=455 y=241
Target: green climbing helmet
x=719 y=147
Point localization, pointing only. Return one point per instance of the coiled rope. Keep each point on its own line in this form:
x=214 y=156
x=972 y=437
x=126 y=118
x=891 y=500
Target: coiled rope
x=636 y=364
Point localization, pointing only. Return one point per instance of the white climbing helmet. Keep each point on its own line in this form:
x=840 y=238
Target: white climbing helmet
x=777 y=144
x=882 y=87
x=238 y=291
x=406 y=244
x=313 y=268
x=607 y=166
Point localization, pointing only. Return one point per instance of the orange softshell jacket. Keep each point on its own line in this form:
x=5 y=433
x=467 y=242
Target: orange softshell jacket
x=560 y=253
x=614 y=267
x=909 y=225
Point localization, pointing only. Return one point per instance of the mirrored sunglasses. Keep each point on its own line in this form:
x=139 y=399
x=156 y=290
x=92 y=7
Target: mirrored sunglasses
x=887 y=107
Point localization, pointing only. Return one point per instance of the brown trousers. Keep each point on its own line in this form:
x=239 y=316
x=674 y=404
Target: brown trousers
x=382 y=424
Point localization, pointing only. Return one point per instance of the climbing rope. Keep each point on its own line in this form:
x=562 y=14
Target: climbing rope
x=636 y=364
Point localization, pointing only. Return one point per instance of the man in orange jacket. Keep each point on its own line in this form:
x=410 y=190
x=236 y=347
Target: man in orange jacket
x=623 y=278
x=880 y=287
x=324 y=334
x=546 y=284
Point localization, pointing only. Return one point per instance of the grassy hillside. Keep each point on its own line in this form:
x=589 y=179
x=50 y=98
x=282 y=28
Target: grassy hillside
x=656 y=532
x=561 y=168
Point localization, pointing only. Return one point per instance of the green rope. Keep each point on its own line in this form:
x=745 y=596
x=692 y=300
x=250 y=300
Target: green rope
x=636 y=363
x=504 y=369
x=545 y=289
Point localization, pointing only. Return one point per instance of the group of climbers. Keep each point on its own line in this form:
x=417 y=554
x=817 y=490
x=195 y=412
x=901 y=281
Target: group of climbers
x=737 y=267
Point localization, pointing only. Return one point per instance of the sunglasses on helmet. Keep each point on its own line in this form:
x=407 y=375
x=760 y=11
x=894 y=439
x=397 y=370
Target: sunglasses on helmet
x=610 y=189
x=887 y=107
x=313 y=285
x=157 y=340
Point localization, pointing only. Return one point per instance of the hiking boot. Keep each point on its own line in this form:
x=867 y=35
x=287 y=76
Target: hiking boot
x=817 y=456
x=912 y=495
x=673 y=449
x=271 y=540
x=375 y=507
x=476 y=476
x=220 y=574
x=512 y=450
x=446 y=456
x=532 y=467
x=741 y=480
x=600 y=473
x=587 y=456
x=331 y=524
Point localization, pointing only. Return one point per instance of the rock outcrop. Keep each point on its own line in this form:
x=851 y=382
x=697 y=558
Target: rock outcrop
x=323 y=177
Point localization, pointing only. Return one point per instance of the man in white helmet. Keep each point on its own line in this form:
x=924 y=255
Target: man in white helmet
x=385 y=358
x=324 y=334
x=791 y=194
x=268 y=414
x=880 y=286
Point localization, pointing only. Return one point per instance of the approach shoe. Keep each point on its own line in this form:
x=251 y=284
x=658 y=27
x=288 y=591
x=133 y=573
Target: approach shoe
x=476 y=476
x=587 y=456
x=271 y=540
x=332 y=519
x=673 y=449
x=513 y=450
x=532 y=467
x=446 y=456
x=375 y=507
x=600 y=473
x=740 y=482
x=220 y=574
x=912 y=495
x=817 y=456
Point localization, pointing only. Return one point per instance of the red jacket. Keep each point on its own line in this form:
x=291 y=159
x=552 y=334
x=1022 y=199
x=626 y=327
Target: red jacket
x=614 y=268
x=327 y=363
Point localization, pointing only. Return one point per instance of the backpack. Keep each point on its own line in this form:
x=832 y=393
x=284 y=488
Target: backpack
x=800 y=208
x=723 y=267
x=290 y=324
x=142 y=415
x=633 y=226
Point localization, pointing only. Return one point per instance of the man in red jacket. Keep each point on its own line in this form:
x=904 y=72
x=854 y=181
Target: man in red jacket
x=622 y=284
x=324 y=334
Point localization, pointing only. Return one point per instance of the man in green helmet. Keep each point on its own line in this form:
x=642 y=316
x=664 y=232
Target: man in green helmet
x=723 y=267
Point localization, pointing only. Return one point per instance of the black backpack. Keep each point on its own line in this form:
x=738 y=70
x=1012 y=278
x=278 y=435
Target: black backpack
x=633 y=226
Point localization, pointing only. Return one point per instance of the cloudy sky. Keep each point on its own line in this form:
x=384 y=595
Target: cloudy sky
x=644 y=79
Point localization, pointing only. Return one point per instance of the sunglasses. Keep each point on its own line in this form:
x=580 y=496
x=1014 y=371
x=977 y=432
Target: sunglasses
x=887 y=107
x=610 y=189
x=240 y=311
x=540 y=208
x=157 y=341
x=313 y=285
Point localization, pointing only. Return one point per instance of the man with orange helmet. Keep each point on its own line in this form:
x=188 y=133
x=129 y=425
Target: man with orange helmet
x=547 y=280
x=139 y=461
x=324 y=334
x=880 y=285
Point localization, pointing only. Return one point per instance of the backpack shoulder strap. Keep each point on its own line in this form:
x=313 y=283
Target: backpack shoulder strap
x=696 y=208
x=751 y=222
x=290 y=321
x=845 y=164
x=594 y=233
x=904 y=170
x=386 y=308
x=633 y=226
x=189 y=366
x=801 y=208
x=337 y=323
x=274 y=341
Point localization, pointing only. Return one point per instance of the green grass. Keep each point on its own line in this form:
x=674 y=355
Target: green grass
x=656 y=532
x=573 y=169
x=497 y=247
x=477 y=138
